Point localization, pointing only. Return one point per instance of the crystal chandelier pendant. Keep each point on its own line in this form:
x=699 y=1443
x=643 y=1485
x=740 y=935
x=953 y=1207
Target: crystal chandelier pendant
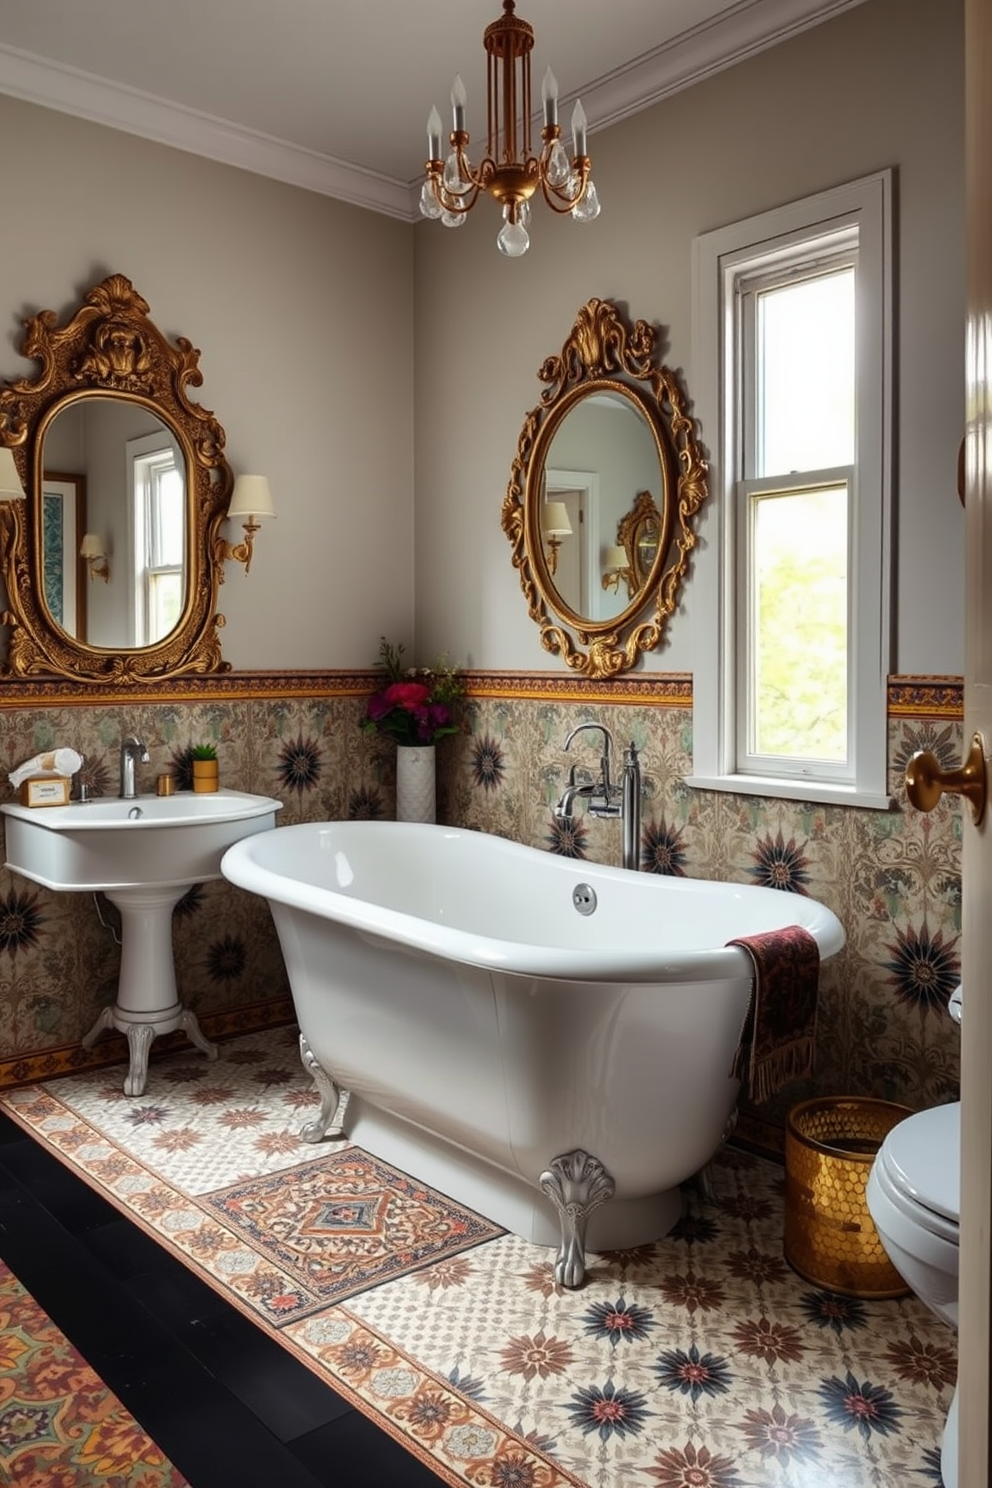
x=429 y=205
x=558 y=170
x=587 y=209
x=512 y=238
x=453 y=181
x=453 y=219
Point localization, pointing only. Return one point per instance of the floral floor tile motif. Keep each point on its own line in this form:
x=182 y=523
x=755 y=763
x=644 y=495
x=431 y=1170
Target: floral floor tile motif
x=59 y=1424
x=700 y=1361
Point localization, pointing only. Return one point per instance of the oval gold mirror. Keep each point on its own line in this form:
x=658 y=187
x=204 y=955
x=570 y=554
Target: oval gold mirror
x=109 y=562
x=604 y=487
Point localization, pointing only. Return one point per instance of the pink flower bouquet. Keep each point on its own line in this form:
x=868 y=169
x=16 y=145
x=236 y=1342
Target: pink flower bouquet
x=415 y=705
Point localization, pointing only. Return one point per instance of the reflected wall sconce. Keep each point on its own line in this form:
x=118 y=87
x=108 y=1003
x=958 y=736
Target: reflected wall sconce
x=251 y=500
x=91 y=550
x=616 y=570
x=555 y=525
x=10 y=480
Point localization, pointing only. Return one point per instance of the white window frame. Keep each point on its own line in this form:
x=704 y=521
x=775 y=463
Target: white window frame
x=719 y=257
x=142 y=454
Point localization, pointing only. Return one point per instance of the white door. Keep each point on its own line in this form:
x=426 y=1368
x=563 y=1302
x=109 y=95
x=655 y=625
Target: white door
x=976 y=1031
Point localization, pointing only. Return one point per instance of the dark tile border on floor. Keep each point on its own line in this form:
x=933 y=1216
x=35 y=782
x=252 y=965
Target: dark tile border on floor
x=225 y=1403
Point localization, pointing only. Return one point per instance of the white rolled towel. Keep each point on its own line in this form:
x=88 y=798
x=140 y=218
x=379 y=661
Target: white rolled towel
x=63 y=762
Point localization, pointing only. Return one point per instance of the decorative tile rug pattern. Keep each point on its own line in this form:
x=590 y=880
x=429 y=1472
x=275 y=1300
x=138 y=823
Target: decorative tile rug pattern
x=343 y=1224
x=59 y=1424
x=700 y=1361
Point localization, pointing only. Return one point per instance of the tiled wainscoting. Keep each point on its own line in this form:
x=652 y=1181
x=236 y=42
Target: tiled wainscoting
x=893 y=877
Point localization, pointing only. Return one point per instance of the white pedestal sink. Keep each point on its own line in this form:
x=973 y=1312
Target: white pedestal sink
x=144 y=854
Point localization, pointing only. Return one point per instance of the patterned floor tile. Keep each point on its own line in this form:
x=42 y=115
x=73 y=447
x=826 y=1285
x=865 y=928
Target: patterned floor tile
x=701 y=1361
x=59 y=1424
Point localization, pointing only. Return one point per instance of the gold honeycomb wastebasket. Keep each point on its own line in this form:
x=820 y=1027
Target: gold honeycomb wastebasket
x=830 y=1237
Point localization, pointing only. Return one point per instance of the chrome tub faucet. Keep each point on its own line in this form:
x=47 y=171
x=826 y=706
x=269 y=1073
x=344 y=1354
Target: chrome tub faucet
x=132 y=750
x=604 y=797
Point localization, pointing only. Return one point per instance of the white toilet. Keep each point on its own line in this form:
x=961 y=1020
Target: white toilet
x=913 y=1196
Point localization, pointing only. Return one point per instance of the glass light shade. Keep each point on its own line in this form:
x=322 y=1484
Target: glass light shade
x=513 y=240
x=452 y=178
x=554 y=519
x=588 y=209
x=430 y=207
x=10 y=481
x=559 y=169
x=251 y=497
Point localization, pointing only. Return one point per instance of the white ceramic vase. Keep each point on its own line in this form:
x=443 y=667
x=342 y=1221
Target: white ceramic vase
x=415 y=789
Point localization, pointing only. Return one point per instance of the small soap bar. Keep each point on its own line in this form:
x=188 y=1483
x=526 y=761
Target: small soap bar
x=45 y=791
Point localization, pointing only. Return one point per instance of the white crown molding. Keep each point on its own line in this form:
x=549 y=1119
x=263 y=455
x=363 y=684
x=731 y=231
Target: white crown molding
x=747 y=28
x=740 y=32
x=35 y=80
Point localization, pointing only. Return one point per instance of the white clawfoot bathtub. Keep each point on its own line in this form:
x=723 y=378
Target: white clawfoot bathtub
x=522 y=1031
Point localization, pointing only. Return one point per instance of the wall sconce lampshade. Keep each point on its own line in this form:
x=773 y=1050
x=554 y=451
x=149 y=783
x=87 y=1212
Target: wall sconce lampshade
x=251 y=498
x=616 y=569
x=92 y=551
x=10 y=480
x=554 y=519
x=251 y=501
x=555 y=525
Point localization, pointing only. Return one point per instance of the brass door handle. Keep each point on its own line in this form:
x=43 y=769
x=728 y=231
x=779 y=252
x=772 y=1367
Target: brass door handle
x=926 y=782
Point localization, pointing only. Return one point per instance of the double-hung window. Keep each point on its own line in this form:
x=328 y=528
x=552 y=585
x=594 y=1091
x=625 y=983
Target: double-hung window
x=792 y=361
x=158 y=506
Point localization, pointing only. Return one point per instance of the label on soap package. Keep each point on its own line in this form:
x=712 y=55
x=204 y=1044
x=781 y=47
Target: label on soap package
x=42 y=792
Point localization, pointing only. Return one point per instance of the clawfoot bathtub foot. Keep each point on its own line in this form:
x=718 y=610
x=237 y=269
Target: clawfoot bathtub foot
x=333 y=1102
x=576 y=1184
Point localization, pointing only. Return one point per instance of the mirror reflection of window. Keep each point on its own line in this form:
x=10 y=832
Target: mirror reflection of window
x=158 y=507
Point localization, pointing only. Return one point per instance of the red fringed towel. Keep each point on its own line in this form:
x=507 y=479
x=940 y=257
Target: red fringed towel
x=779 y=1032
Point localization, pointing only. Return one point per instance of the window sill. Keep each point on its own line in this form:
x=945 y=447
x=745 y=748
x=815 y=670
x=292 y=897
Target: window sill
x=779 y=787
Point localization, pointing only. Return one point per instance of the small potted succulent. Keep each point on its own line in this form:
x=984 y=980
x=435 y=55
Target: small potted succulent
x=205 y=769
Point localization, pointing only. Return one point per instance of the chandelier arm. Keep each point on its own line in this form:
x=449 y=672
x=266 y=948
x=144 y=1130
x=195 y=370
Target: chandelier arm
x=557 y=200
x=457 y=205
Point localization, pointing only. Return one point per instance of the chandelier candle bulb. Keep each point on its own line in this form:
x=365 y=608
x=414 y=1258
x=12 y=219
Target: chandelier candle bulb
x=434 y=134
x=459 y=100
x=549 y=96
x=579 y=126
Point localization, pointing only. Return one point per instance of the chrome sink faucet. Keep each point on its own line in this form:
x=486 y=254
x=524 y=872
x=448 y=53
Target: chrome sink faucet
x=604 y=797
x=132 y=749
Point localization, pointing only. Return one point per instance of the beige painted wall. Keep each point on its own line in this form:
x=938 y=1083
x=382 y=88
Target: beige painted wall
x=879 y=86
x=302 y=308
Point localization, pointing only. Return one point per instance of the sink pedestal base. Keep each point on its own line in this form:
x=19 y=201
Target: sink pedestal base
x=147 y=1001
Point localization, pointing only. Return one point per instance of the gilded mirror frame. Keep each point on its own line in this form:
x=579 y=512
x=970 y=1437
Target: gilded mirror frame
x=110 y=347
x=604 y=353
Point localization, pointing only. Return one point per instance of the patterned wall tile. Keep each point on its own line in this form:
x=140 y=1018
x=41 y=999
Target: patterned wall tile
x=893 y=877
